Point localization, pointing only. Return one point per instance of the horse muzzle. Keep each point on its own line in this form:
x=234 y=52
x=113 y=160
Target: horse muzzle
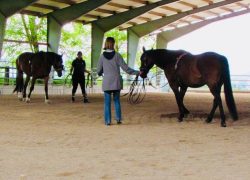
x=59 y=72
x=143 y=73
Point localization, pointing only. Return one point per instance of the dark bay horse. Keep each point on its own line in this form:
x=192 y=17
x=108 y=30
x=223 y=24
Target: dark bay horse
x=184 y=70
x=38 y=66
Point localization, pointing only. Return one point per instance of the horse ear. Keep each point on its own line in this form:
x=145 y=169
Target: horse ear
x=143 y=48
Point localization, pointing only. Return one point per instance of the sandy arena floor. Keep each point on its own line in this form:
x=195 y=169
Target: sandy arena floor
x=69 y=141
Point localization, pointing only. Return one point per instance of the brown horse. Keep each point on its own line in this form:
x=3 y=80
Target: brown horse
x=38 y=66
x=184 y=70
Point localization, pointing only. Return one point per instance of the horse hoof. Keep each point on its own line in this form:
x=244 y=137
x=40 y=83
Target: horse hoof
x=47 y=101
x=223 y=125
x=27 y=100
x=20 y=97
x=180 y=120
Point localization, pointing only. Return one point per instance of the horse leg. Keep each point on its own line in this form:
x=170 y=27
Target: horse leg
x=211 y=114
x=31 y=89
x=25 y=87
x=46 y=80
x=183 y=90
x=222 y=114
x=179 y=103
x=217 y=101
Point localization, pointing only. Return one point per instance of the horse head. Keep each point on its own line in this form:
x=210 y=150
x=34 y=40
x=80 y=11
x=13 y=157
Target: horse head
x=58 y=65
x=147 y=62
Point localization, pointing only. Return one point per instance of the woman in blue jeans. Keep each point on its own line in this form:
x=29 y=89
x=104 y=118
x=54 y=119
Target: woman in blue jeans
x=109 y=66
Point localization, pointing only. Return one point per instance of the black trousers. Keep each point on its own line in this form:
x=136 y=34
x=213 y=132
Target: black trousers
x=75 y=82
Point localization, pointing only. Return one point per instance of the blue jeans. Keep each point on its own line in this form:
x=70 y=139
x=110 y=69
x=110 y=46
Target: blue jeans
x=107 y=106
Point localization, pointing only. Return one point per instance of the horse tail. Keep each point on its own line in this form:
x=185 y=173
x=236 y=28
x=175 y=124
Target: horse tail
x=228 y=90
x=19 y=78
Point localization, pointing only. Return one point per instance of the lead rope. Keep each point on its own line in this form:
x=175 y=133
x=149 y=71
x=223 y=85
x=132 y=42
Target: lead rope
x=137 y=91
x=66 y=81
x=88 y=79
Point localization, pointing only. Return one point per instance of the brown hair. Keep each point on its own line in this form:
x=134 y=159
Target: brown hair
x=109 y=43
x=79 y=53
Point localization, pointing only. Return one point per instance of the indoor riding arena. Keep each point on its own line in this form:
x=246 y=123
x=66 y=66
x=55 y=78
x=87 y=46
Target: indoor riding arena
x=61 y=138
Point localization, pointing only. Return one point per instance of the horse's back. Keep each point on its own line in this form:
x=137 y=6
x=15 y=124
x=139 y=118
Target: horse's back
x=27 y=56
x=210 y=60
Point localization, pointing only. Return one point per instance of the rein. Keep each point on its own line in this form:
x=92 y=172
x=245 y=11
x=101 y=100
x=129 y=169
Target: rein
x=151 y=79
x=137 y=91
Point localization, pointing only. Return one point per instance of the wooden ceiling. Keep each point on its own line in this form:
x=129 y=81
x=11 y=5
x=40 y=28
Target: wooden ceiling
x=43 y=7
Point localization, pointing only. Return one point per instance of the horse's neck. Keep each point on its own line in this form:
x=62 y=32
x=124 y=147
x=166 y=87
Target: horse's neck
x=49 y=59
x=167 y=60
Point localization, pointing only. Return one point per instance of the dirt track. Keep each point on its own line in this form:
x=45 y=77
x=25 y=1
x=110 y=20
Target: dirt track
x=69 y=141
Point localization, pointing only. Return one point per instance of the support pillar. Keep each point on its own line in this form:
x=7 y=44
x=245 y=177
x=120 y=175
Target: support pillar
x=97 y=37
x=161 y=42
x=53 y=40
x=133 y=42
x=53 y=34
x=2 y=31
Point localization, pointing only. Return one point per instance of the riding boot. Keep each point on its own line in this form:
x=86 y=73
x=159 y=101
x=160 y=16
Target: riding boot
x=73 y=98
x=85 y=98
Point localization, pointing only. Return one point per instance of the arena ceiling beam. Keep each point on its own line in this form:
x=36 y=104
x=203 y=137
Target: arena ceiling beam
x=141 y=30
x=146 y=28
x=75 y=11
x=99 y=27
x=111 y=22
x=58 y=18
x=8 y=8
x=167 y=36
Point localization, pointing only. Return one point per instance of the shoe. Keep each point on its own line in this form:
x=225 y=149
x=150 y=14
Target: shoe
x=73 y=99
x=119 y=122
x=85 y=101
x=108 y=124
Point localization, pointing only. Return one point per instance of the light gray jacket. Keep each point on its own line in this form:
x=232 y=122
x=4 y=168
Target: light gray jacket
x=111 y=70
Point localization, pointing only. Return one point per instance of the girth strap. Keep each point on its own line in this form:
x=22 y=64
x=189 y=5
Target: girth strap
x=179 y=58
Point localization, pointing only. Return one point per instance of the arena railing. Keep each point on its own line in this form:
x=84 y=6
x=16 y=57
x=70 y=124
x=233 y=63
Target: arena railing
x=158 y=83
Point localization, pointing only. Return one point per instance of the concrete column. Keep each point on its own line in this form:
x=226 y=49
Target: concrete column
x=133 y=42
x=97 y=37
x=53 y=39
x=53 y=34
x=2 y=31
x=161 y=42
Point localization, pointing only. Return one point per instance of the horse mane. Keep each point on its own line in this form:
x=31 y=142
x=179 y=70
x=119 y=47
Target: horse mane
x=164 y=56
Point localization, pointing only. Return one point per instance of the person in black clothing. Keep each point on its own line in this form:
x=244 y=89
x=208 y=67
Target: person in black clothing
x=78 y=77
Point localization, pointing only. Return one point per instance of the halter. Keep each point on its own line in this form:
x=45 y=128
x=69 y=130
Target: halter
x=179 y=58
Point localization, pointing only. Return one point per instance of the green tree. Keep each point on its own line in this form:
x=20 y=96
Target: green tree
x=32 y=26
x=75 y=37
x=120 y=39
x=23 y=28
